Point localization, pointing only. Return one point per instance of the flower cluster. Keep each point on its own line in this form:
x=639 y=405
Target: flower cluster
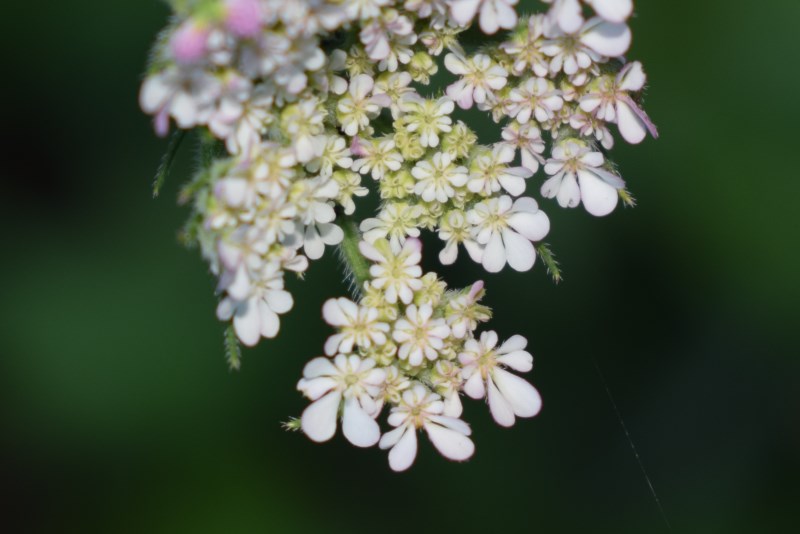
x=304 y=106
x=410 y=345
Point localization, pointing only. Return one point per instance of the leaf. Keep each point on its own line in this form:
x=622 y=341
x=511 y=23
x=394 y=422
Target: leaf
x=549 y=260
x=233 y=351
x=167 y=160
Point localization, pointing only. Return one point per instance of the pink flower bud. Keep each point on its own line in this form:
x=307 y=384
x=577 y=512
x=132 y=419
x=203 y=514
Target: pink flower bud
x=243 y=17
x=189 y=41
x=476 y=288
x=414 y=244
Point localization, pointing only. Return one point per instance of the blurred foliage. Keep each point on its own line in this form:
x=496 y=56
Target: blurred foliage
x=117 y=409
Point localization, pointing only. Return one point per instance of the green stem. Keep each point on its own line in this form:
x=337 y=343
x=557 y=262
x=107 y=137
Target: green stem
x=355 y=265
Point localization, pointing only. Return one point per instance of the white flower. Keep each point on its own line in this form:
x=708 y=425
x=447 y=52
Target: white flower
x=593 y=43
x=377 y=157
x=396 y=270
x=335 y=153
x=578 y=176
x=358 y=326
x=420 y=408
x=506 y=229
x=357 y=107
x=454 y=230
x=188 y=95
x=464 y=313
x=528 y=139
x=612 y=10
x=352 y=380
x=419 y=335
x=489 y=172
x=495 y=14
x=568 y=14
x=302 y=122
x=437 y=177
x=447 y=380
x=396 y=221
x=485 y=375
x=525 y=49
x=480 y=78
x=427 y=118
x=349 y=186
x=609 y=100
x=315 y=227
x=396 y=86
x=256 y=316
x=535 y=97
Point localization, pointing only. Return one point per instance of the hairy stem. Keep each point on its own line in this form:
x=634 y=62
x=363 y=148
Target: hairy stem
x=355 y=265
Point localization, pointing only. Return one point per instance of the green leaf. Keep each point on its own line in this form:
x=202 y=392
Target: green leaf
x=167 y=160
x=233 y=351
x=549 y=260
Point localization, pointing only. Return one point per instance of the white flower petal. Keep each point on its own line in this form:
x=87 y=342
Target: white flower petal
x=404 y=452
x=599 y=198
x=521 y=396
x=319 y=419
x=451 y=444
x=358 y=427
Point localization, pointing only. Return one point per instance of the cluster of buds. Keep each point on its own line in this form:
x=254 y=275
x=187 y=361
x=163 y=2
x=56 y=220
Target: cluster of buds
x=304 y=106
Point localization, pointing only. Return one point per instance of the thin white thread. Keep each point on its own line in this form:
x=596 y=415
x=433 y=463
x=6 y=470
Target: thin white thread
x=630 y=442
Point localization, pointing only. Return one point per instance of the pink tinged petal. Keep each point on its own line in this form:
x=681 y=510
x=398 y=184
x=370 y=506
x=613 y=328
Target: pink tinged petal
x=512 y=344
x=319 y=419
x=449 y=253
x=627 y=105
x=474 y=386
x=279 y=301
x=501 y=410
x=268 y=320
x=599 y=198
x=391 y=438
x=463 y=11
x=474 y=250
x=451 y=444
x=552 y=186
x=312 y=243
x=570 y=18
x=607 y=38
x=569 y=196
x=319 y=367
x=592 y=159
x=514 y=185
x=520 y=395
x=632 y=76
x=610 y=178
x=452 y=405
x=519 y=360
x=533 y=226
x=359 y=428
x=247 y=324
x=333 y=314
x=332 y=344
x=519 y=251
x=613 y=10
x=404 y=452
x=240 y=286
x=331 y=234
x=316 y=387
x=494 y=256
x=506 y=15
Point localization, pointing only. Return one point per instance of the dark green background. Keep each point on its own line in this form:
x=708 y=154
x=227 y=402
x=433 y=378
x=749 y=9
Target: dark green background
x=117 y=411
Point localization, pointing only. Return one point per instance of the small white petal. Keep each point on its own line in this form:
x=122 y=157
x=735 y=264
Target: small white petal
x=404 y=452
x=358 y=427
x=319 y=419
x=451 y=444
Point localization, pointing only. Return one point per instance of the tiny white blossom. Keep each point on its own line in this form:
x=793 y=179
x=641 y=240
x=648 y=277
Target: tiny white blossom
x=528 y=139
x=396 y=270
x=419 y=334
x=420 y=408
x=427 y=118
x=350 y=379
x=437 y=177
x=535 y=97
x=484 y=364
x=506 y=228
x=480 y=77
x=494 y=14
x=578 y=176
x=489 y=172
x=357 y=106
x=395 y=222
x=358 y=326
